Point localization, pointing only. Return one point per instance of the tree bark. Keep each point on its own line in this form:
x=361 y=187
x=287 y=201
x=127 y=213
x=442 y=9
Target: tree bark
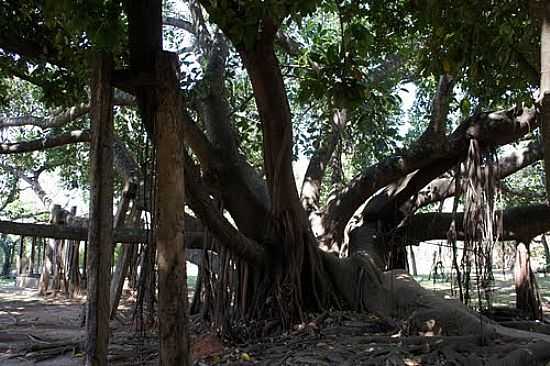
x=101 y=213
x=169 y=219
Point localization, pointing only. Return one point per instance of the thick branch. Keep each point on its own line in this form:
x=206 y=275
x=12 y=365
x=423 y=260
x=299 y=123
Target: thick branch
x=311 y=186
x=518 y=223
x=125 y=235
x=491 y=129
x=47 y=142
x=243 y=189
x=202 y=205
x=178 y=23
x=39 y=49
x=508 y=164
x=60 y=118
x=271 y=99
x=440 y=105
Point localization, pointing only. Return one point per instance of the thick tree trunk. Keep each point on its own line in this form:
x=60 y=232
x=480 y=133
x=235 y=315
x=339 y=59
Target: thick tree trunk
x=169 y=219
x=101 y=213
x=295 y=273
x=527 y=297
x=144 y=43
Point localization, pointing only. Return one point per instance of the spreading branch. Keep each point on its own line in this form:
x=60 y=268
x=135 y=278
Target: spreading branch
x=490 y=129
x=444 y=187
x=33 y=182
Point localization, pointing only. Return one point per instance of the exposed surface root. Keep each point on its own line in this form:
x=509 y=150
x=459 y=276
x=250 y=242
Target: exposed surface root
x=351 y=338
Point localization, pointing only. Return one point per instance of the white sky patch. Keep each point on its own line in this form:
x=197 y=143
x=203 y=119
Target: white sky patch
x=52 y=185
x=408 y=96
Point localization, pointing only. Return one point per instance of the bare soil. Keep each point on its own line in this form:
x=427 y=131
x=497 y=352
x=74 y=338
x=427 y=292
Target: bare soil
x=47 y=331
x=37 y=330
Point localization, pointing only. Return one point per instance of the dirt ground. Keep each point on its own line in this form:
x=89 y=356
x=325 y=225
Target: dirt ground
x=38 y=331
x=47 y=331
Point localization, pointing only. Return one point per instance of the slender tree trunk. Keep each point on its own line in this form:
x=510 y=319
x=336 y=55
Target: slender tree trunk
x=413 y=269
x=544 y=242
x=545 y=90
x=169 y=219
x=121 y=269
x=21 y=252
x=123 y=262
x=47 y=266
x=85 y=266
x=33 y=254
x=74 y=272
x=119 y=275
x=7 y=249
x=145 y=304
x=527 y=298
x=132 y=276
x=101 y=213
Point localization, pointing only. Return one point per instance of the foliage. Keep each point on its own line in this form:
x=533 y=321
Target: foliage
x=490 y=47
